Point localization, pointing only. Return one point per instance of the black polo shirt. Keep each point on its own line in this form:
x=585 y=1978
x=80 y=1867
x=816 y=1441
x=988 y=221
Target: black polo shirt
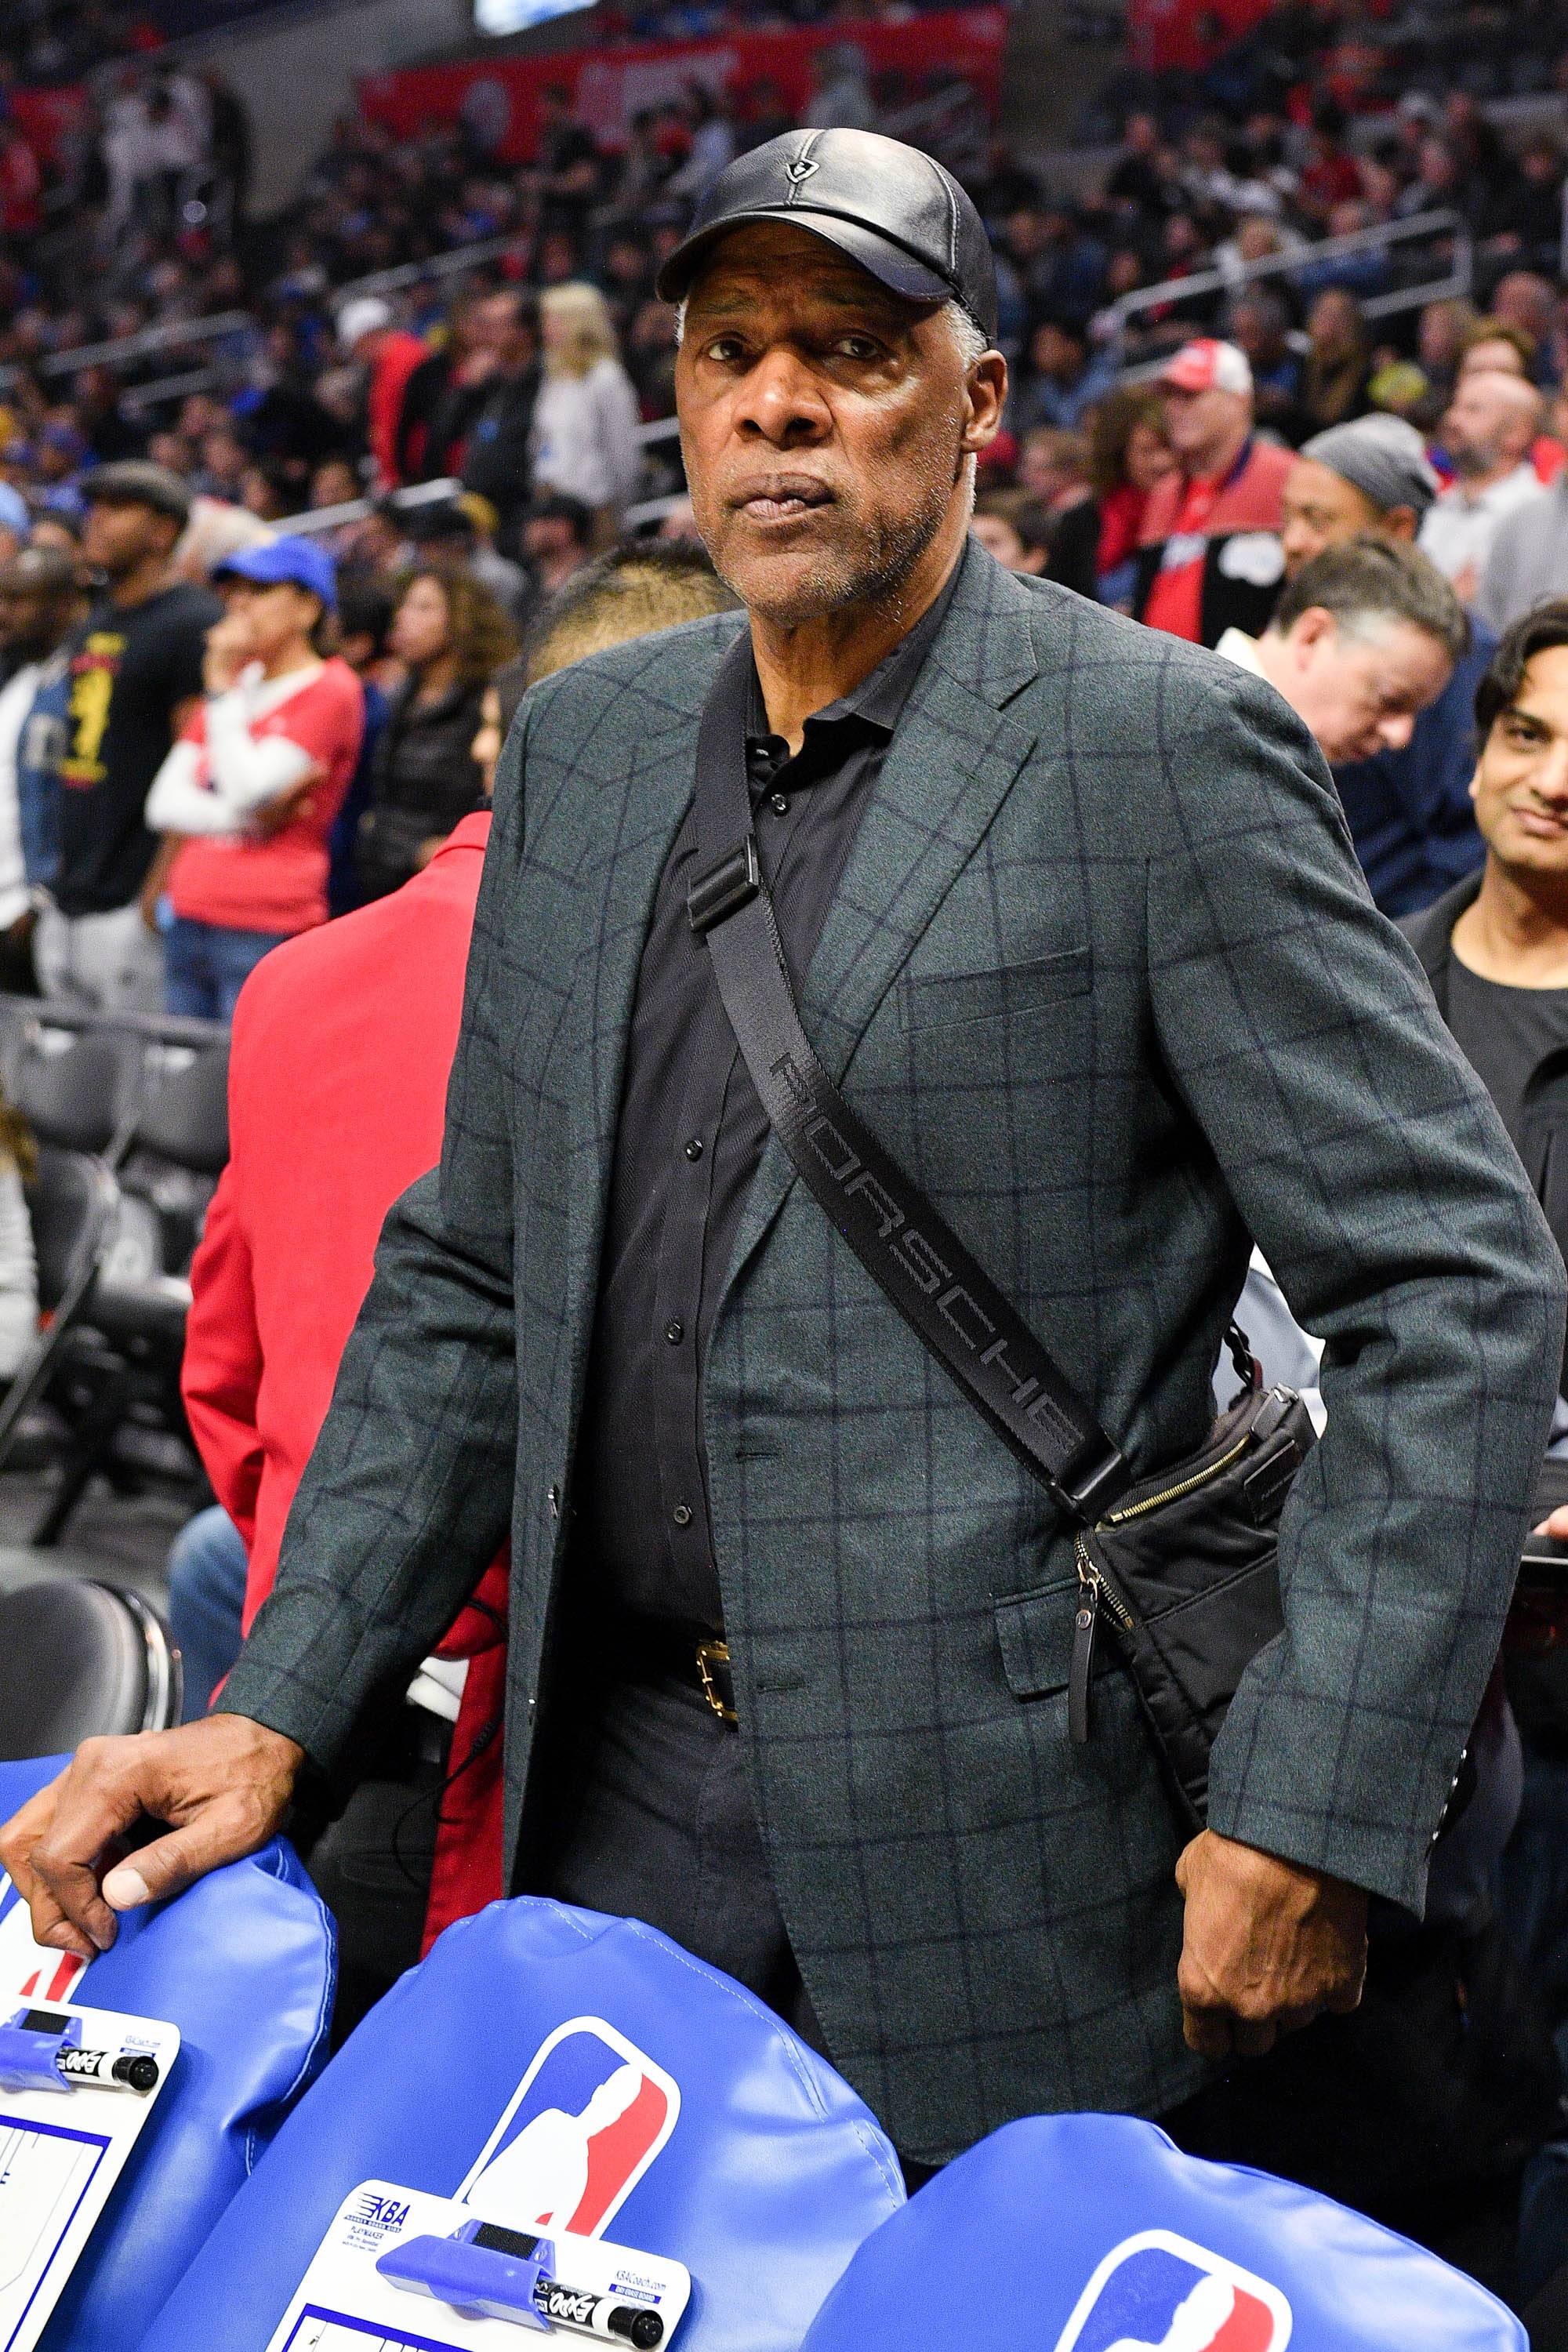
x=691 y=1136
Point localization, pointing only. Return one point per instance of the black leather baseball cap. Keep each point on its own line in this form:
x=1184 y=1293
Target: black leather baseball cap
x=890 y=207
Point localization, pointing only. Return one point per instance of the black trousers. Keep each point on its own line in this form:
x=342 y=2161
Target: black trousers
x=653 y=1819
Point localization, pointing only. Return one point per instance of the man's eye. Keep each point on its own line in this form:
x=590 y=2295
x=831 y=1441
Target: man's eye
x=725 y=348
x=858 y=347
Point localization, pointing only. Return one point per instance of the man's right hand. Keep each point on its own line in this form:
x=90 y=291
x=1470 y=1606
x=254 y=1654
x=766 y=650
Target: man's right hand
x=222 y=1783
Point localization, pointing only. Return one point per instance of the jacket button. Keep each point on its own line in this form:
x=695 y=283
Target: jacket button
x=674 y=1330
x=681 y=1514
x=694 y=1148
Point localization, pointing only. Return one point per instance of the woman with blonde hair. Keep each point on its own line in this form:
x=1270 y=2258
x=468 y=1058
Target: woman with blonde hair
x=585 y=436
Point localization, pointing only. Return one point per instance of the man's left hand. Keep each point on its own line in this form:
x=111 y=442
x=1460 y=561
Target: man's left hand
x=1267 y=1946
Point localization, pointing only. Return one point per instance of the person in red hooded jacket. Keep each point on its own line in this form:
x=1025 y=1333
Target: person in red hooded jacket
x=342 y=1041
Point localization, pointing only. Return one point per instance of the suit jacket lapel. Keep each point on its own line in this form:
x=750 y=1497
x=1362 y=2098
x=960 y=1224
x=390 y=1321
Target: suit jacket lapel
x=951 y=764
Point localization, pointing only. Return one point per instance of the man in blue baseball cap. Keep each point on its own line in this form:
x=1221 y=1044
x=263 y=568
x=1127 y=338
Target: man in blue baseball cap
x=251 y=790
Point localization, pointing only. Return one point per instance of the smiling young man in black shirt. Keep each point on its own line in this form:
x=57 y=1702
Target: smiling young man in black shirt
x=135 y=670
x=1496 y=947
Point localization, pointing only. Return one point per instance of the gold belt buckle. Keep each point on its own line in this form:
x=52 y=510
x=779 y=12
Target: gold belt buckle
x=708 y=1656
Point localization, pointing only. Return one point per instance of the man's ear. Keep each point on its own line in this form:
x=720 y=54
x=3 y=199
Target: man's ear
x=1309 y=629
x=987 y=389
x=1401 y=523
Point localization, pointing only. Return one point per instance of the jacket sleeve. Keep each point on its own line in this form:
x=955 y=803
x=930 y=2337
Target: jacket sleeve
x=408 y=1494
x=220 y=1378
x=1372 y=1169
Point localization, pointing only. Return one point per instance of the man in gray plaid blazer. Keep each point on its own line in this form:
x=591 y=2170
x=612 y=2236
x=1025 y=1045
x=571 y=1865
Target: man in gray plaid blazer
x=1098 y=964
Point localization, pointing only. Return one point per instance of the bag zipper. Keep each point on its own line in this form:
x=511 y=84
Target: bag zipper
x=1174 y=1494
x=1096 y=1591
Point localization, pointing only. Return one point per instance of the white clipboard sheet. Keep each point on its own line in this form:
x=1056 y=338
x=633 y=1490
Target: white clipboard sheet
x=346 y=2304
x=62 y=2152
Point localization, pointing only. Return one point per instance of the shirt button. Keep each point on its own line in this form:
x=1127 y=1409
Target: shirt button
x=674 y=1330
x=681 y=1514
x=694 y=1148
x=779 y=802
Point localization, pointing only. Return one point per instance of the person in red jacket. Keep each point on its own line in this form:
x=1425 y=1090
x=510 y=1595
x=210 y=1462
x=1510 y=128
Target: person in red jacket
x=342 y=1041
x=389 y=355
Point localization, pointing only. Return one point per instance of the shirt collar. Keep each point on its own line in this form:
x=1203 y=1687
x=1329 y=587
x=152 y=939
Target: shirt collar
x=1236 y=646
x=879 y=700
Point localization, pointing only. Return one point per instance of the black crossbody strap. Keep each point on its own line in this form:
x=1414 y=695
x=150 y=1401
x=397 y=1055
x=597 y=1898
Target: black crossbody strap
x=946 y=1297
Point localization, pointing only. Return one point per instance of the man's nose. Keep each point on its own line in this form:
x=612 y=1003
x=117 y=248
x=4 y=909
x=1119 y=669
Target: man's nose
x=1395 y=733
x=782 y=402
x=1549 y=779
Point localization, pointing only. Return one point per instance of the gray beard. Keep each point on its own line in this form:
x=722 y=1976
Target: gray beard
x=874 y=574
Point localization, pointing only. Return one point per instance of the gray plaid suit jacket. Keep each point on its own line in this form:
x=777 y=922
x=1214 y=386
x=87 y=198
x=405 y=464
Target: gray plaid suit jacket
x=1104 y=972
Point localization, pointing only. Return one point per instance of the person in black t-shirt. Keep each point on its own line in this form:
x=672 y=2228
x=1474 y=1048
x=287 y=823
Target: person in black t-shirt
x=1496 y=946
x=135 y=670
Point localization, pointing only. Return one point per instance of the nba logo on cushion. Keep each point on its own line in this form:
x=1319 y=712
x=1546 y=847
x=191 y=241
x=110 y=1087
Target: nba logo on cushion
x=28 y=1971
x=588 y=2118
x=1158 y=2293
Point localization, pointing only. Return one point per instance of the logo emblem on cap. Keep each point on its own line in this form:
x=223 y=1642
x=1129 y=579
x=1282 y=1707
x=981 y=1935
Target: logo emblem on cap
x=801 y=169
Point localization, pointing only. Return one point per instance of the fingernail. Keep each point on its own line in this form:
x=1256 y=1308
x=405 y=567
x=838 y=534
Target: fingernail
x=125 y=1889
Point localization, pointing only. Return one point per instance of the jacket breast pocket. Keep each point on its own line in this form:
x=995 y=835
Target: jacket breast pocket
x=929 y=1000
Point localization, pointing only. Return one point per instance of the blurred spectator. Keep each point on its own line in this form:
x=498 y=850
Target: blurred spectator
x=497 y=458
x=15 y=523
x=1128 y=454
x=1209 y=554
x=1010 y=526
x=1487 y=433
x=452 y=637
x=1054 y=473
x=1259 y=326
x=1063 y=380
x=557 y=541
x=1528 y=557
x=50 y=578
x=1339 y=361
x=564 y=179
x=215 y=530
x=460 y=533
x=712 y=147
x=1408 y=809
x=389 y=355
x=584 y=438
x=365 y=607
x=39 y=605
x=1364 y=638
x=1441 y=336
x=251 y=789
x=637 y=588
x=840 y=96
x=136 y=672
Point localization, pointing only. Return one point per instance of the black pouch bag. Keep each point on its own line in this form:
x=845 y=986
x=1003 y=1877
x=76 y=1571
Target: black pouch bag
x=1184 y=1565
x=1185 y=1570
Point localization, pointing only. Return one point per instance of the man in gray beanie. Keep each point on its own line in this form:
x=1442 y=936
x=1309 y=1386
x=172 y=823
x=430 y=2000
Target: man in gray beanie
x=1409 y=810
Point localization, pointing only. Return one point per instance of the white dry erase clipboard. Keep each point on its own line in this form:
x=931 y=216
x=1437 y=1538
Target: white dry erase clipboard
x=348 y=2303
x=62 y=2152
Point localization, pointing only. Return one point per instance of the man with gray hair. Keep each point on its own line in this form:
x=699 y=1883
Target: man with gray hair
x=1409 y=809
x=1361 y=640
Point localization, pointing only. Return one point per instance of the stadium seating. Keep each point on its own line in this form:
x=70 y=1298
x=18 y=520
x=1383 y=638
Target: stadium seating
x=1092 y=2233
x=79 y=1660
x=244 y=1965
x=776 y=2174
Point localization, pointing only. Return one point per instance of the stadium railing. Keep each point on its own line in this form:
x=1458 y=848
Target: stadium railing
x=1308 y=260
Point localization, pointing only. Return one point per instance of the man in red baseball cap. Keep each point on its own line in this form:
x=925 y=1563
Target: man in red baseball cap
x=1210 y=558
